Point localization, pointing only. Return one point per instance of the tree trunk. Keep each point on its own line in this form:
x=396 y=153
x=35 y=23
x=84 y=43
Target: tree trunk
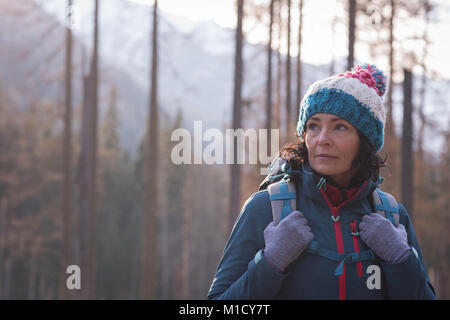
x=392 y=143
x=334 y=22
x=269 y=79
x=3 y=241
x=351 y=33
x=299 y=61
x=288 y=77
x=235 y=187
x=423 y=120
x=407 y=141
x=33 y=272
x=148 y=271
x=389 y=120
x=186 y=245
x=279 y=100
x=165 y=251
x=7 y=278
x=95 y=82
x=66 y=254
x=88 y=173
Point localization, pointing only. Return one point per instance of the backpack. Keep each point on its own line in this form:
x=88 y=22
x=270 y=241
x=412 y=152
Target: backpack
x=283 y=198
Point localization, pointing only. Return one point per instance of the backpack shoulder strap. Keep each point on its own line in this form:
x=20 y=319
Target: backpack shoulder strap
x=386 y=205
x=282 y=188
x=283 y=199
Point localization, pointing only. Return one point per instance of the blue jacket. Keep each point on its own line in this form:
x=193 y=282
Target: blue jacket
x=243 y=272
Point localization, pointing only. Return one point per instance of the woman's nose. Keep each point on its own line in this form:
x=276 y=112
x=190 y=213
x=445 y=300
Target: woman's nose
x=323 y=136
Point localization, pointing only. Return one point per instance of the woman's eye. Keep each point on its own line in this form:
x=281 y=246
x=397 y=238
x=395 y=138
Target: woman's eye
x=341 y=127
x=311 y=126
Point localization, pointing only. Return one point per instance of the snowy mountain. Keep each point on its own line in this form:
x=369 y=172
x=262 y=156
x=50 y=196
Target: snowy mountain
x=195 y=65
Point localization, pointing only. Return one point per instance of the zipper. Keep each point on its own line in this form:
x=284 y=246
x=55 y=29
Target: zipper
x=339 y=242
x=338 y=234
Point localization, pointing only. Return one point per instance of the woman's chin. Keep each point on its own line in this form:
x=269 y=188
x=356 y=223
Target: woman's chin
x=326 y=170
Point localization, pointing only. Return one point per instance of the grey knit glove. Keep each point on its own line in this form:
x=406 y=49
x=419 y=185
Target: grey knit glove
x=286 y=241
x=387 y=241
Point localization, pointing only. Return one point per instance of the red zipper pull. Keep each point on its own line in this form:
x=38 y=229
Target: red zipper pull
x=353 y=228
x=335 y=216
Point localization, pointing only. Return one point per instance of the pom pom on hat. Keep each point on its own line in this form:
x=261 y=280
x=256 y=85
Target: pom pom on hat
x=370 y=75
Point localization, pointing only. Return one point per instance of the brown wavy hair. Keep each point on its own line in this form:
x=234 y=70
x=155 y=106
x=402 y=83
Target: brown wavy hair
x=367 y=160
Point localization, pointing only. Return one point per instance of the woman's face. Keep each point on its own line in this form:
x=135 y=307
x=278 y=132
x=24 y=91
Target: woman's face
x=332 y=144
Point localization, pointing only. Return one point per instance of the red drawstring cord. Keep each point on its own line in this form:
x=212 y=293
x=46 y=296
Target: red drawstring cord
x=356 y=246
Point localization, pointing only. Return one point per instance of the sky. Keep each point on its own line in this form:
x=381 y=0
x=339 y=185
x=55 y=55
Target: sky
x=320 y=44
x=320 y=48
x=222 y=11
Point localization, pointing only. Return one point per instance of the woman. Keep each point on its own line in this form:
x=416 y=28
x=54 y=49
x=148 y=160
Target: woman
x=341 y=128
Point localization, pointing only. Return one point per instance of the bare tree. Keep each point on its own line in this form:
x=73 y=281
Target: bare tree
x=237 y=106
x=88 y=172
x=289 y=119
x=407 y=140
x=389 y=120
x=351 y=33
x=334 y=23
x=299 y=60
x=279 y=98
x=67 y=165
x=423 y=121
x=148 y=270
x=269 y=78
x=186 y=245
x=3 y=242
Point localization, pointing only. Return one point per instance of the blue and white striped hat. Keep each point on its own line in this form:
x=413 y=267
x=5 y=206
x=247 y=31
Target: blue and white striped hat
x=356 y=96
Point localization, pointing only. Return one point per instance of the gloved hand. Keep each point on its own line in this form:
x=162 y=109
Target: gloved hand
x=286 y=241
x=387 y=241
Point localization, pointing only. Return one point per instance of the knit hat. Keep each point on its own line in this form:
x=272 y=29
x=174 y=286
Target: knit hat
x=356 y=96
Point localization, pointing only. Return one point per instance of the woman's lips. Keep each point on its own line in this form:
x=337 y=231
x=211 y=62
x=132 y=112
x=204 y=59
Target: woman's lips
x=325 y=157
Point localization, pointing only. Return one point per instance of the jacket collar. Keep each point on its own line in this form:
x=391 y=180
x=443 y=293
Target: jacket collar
x=313 y=182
